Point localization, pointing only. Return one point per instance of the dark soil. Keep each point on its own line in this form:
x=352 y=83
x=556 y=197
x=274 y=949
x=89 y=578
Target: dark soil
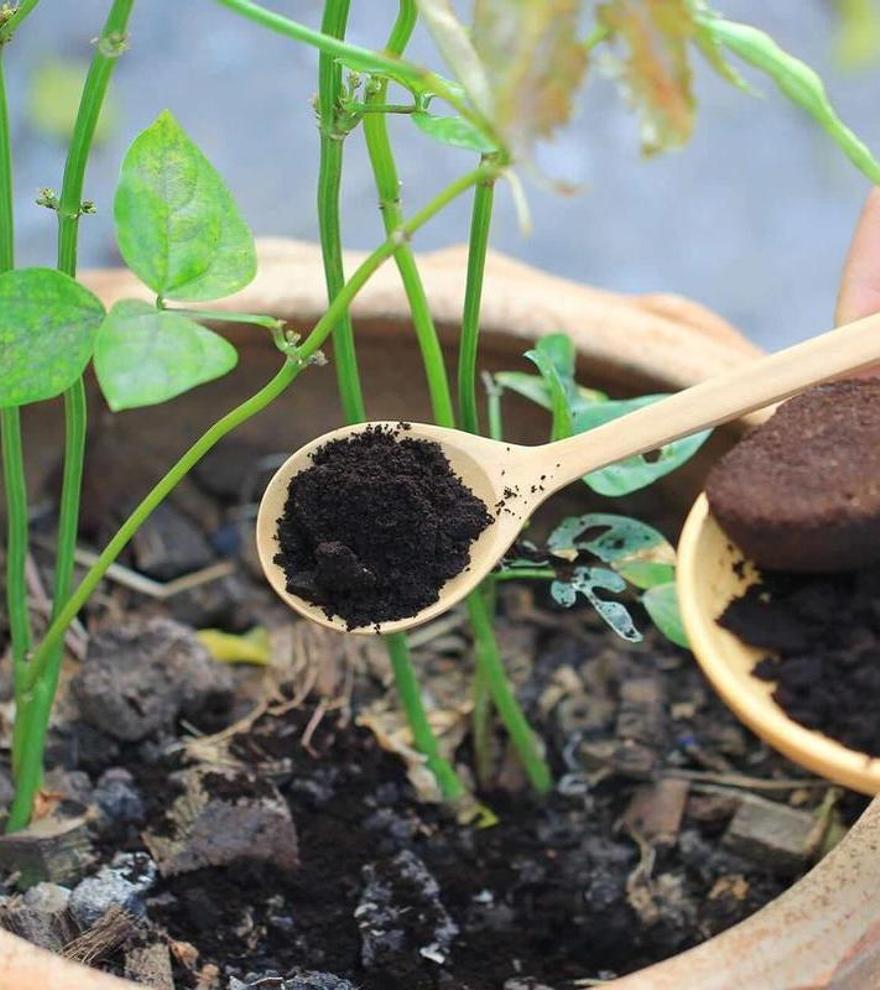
x=826 y=633
x=641 y=851
x=375 y=527
x=802 y=492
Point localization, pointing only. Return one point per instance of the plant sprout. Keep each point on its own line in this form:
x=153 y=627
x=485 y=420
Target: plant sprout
x=516 y=70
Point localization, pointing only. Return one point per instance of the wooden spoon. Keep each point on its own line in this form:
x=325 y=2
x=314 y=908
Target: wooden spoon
x=519 y=479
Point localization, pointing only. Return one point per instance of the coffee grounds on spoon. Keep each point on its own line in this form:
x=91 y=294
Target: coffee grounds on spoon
x=376 y=525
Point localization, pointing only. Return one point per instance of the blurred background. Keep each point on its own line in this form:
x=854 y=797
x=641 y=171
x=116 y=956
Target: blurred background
x=752 y=218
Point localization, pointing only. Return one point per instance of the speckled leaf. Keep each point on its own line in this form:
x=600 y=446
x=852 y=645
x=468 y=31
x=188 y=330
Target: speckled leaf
x=585 y=581
x=47 y=329
x=610 y=537
x=656 y=71
x=177 y=224
x=144 y=356
x=535 y=60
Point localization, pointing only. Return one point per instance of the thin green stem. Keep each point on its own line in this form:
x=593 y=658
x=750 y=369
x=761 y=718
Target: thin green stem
x=388 y=186
x=14 y=480
x=491 y=670
x=35 y=703
x=493 y=406
x=14 y=483
x=423 y=735
x=358 y=108
x=524 y=574
x=13 y=23
x=481 y=221
x=250 y=407
x=334 y=24
x=224 y=316
x=416 y=78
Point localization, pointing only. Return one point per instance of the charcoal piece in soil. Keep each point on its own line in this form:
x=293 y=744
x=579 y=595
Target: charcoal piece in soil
x=824 y=632
x=376 y=525
x=802 y=491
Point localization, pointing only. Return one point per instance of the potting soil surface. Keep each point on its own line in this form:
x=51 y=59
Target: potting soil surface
x=825 y=631
x=375 y=527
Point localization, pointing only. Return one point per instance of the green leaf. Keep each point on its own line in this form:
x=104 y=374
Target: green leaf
x=47 y=329
x=585 y=581
x=646 y=573
x=795 y=79
x=557 y=391
x=177 y=224
x=635 y=472
x=661 y=603
x=455 y=131
x=144 y=355
x=534 y=388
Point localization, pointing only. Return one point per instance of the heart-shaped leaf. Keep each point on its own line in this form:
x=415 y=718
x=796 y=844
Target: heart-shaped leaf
x=635 y=472
x=47 y=329
x=177 y=224
x=144 y=355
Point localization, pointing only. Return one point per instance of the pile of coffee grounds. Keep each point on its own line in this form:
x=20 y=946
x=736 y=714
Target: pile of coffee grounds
x=825 y=631
x=375 y=527
x=802 y=492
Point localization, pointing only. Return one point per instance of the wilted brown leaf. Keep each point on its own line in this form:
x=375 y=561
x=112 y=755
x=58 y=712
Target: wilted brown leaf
x=656 y=70
x=534 y=61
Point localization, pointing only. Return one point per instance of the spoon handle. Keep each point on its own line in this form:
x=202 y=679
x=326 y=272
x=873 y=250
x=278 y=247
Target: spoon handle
x=717 y=400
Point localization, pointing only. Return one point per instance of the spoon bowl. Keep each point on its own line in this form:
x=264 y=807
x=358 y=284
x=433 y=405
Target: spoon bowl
x=487 y=468
x=711 y=573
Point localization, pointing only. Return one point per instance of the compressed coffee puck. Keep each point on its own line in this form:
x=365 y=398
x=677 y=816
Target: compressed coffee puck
x=802 y=492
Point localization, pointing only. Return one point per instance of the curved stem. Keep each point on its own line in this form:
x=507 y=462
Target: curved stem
x=329 y=183
x=250 y=407
x=423 y=735
x=481 y=221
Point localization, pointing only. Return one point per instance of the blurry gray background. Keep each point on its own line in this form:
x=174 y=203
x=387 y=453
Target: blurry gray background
x=752 y=218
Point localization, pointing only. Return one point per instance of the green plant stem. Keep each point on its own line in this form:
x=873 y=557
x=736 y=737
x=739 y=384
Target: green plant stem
x=14 y=483
x=524 y=574
x=224 y=316
x=250 y=407
x=24 y=8
x=34 y=704
x=423 y=735
x=363 y=59
x=376 y=134
x=329 y=182
x=493 y=406
x=481 y=221
x=388 y=186
x=491 y=670
x=14 y=480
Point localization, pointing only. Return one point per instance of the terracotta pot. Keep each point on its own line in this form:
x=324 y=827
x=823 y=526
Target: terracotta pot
x=825 y=931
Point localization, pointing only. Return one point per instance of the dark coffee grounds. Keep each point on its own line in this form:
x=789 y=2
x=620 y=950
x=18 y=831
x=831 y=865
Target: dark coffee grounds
x=375 y=527
x=826 y=634
x=802 y=492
